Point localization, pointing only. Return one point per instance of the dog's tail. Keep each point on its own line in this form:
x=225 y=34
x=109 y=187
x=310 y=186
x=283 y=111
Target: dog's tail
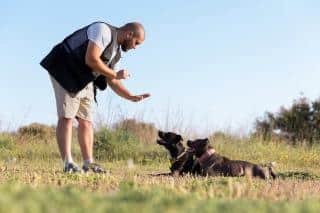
x=270 y=167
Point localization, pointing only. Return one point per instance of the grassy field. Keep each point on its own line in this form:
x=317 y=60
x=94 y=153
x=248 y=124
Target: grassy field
x=31 y=179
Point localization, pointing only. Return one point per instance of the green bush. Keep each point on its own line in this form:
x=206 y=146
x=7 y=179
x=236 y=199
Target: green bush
x=110 y=144
x=6 y=142
x=122 y=145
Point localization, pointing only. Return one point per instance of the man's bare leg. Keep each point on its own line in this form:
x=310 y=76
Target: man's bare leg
x=64 y=137
x=85 y=138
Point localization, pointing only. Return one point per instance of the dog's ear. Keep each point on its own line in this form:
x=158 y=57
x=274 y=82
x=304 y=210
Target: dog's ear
x=179 y=138
x=206 y=140
x=160 y=133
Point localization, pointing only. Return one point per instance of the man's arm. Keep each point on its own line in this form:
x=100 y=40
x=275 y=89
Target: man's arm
x=94 y=61
x=117 y=86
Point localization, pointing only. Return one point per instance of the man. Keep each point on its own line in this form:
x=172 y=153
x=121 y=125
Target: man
x=81 y=63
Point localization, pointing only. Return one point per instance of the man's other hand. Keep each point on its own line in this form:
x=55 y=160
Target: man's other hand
x=136 y=98
x=123 y=74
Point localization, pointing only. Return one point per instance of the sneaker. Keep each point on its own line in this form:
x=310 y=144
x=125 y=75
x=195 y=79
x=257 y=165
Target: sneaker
x=71 y=168
x=94 y=167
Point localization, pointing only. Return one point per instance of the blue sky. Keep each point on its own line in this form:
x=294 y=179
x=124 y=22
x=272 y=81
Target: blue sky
x=208 y=64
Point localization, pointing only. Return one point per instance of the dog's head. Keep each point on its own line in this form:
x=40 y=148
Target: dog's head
x=172 y=142
x=199 y=146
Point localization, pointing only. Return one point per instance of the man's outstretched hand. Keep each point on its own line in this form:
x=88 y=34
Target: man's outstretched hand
x=136 y=98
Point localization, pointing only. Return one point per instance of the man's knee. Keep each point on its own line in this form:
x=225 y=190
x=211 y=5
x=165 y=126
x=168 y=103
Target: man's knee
x=65 y=122
x=84 y=124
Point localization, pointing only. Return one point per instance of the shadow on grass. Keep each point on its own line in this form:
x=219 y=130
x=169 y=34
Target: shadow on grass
x=298 y=175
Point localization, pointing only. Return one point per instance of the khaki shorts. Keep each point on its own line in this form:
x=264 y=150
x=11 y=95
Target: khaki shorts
x=71 y=105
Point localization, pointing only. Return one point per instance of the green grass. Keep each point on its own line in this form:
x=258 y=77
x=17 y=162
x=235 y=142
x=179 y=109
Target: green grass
x=31 y=180
x=18 y=198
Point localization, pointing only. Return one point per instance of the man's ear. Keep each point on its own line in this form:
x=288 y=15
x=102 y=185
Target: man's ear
x=130 y=34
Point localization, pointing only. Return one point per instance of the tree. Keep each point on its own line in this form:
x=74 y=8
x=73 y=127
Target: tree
x=298 y=123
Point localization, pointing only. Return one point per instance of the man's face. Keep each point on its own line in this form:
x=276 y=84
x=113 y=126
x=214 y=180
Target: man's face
x=131 y=42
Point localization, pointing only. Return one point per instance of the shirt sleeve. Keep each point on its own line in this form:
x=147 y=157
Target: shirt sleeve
x=100 y=34
x=117 y=66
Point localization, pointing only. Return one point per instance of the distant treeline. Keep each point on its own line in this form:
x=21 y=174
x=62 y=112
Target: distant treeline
x=299 y=123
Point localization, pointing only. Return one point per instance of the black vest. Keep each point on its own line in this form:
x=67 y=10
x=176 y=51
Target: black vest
x=66 y=61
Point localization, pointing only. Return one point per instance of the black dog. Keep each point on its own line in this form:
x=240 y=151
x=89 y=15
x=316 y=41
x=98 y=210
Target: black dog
x=182 y=161
x=213 y=164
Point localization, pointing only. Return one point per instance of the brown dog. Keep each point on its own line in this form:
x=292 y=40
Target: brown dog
x=213 y=164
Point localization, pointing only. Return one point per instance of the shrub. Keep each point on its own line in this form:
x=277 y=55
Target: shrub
x=6 y=142
x=36 y=131
x=144 y=132
x=113 y=144
x=122 y=145
x=222 y=137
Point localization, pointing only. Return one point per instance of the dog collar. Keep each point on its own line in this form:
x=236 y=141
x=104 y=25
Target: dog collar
x=205 y=156
x=179 y=156
x=174 y=159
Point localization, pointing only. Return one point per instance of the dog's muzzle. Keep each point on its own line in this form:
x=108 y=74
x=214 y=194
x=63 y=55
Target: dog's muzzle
x=161 y=142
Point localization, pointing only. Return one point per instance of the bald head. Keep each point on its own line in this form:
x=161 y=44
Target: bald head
x=136 y=28
x=131 y=35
